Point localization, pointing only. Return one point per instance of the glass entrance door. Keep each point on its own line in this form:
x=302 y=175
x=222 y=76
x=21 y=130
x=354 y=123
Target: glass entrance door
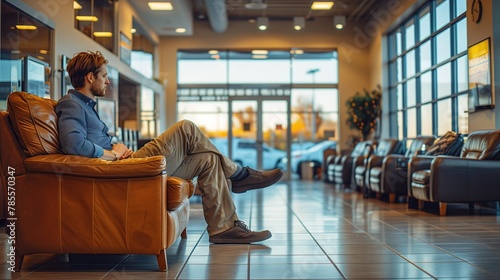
x=259 y=132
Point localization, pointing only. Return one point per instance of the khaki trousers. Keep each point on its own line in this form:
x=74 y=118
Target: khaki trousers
x=190 y=153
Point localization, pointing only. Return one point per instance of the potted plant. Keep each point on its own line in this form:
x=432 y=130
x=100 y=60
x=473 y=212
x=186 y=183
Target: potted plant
x=364 y=111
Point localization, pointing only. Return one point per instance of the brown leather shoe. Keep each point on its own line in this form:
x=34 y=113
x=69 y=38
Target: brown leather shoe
x=240 y=234
x=256 y=180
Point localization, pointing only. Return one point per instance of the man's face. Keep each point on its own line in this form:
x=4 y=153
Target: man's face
x=100 y=82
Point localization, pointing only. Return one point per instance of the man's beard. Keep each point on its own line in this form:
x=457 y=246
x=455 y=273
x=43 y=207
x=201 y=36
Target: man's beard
x=98 y=92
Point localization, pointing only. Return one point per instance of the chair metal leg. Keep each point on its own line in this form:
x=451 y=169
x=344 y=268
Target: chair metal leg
x=161 y=258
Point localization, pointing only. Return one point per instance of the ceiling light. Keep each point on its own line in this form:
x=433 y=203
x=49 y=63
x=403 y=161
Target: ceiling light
x=160 y=6
x=180 y=30
x=87 y=18
x=77 y=6
x=299 y=23
x=263 y=23
x=321 y=5
x=339 y=22
x=44 y=51
x=213 y=52
x=25 y=27
x=133 y=30
x=256 y=5
x=296 y=52
x=260 y=52
x=103 y=34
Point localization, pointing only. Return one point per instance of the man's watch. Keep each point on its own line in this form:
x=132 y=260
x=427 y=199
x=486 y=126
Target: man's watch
x=116 y=155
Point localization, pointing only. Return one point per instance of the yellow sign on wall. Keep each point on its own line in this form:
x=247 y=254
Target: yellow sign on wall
x=480 y=76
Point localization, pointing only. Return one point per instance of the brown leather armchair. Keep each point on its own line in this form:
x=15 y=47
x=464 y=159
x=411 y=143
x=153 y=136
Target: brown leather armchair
x=389 y=174
x=78 y=205
x=472 y=177
x=384 y=148
x=340 y=167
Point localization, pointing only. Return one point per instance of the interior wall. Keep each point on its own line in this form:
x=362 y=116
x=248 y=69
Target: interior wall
x=69 y=40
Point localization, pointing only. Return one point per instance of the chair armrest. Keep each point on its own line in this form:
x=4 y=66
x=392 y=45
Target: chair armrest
x=396 y=162
x=375 y=161
x=455 y=179
x=96 y=168
x=417 y=163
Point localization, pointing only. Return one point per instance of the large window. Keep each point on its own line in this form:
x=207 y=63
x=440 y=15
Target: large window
x=310 y=77
x=428 y=71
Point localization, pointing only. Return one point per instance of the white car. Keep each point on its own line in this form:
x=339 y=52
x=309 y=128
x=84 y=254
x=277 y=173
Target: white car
x=245 y=152
x=311 y=154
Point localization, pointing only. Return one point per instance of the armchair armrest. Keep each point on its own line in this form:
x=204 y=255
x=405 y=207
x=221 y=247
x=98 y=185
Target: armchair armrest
x=396 y=162
x=417 y=163
x=375 y=161
x=96 y=168
x=455 y=179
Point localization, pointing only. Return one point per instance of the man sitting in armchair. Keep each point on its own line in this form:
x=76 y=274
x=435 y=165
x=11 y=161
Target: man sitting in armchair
x=188 y=152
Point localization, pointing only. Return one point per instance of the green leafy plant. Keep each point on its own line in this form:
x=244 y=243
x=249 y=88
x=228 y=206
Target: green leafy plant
x=364 y=110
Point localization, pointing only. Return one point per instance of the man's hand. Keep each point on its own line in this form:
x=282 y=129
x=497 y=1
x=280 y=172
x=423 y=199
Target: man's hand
x=122 y=151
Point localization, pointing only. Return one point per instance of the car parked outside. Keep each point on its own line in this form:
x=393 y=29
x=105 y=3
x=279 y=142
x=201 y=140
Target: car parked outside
x=245 y=152
x=312 y=154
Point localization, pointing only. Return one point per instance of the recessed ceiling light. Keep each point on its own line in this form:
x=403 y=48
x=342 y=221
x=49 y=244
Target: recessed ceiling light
x=213 y=52
x=180 y=30
x=297 y=52
x=321 y=5
x=133 y=30
x=44 y=51
x=87 y=18
x=260 y=52
x=103 y=34
x=25 y=27
x=160 y=6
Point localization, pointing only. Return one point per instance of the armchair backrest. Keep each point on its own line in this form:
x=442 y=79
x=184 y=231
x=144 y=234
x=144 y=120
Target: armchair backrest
x=34 y=122
x=388 y=146
x=482 y=144
x=417 y=143
x=360 y=148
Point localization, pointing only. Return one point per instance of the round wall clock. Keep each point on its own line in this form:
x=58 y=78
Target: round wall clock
x=476 y=10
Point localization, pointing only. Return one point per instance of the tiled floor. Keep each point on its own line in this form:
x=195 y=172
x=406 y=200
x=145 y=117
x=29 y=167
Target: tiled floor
x=319 y=232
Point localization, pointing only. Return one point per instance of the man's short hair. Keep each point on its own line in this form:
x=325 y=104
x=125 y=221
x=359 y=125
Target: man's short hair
x=83 y=63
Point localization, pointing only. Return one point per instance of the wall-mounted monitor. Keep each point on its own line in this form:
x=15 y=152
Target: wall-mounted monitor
x=480 y=94
x=35 y=77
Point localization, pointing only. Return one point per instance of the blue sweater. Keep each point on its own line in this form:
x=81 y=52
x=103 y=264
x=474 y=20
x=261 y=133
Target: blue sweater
x=81 y=131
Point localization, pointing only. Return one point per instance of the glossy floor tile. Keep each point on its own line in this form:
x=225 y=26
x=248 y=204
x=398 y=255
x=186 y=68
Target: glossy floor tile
x=320 y=231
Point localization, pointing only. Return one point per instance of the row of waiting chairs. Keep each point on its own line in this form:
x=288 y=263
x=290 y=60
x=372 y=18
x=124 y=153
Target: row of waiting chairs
x=466 y=176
